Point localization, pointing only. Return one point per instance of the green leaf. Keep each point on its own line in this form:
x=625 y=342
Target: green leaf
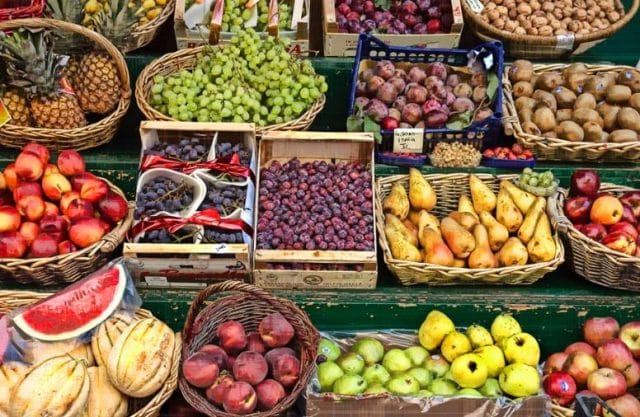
x=371 y=126
x=460 y=121
x=355 y=124
x=383 y=4
x=492 y=86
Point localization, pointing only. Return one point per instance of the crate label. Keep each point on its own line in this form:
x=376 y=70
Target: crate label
x=565 y=42
x=155 y=280
x=408 y=140
x=475 y=5
x=4 y=114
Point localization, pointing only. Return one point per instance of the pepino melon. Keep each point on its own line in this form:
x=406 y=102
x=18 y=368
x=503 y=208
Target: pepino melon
x=77 y=309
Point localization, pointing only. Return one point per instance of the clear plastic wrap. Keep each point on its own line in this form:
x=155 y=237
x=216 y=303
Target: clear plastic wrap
x=332 y=405
x=66 y=320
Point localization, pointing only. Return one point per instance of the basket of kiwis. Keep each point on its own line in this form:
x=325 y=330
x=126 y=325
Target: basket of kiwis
x=574 y=112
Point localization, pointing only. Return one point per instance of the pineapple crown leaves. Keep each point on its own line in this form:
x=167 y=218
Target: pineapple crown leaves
x=117 y=23
x=67 y=10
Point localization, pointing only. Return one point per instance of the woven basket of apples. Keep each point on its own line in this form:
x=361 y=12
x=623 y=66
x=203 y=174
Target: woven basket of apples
x=599 y=222
x=58 y=222
x=246 y=353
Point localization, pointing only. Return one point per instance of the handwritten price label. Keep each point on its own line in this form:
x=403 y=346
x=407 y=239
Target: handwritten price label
x=408 y=140
x=475 y=5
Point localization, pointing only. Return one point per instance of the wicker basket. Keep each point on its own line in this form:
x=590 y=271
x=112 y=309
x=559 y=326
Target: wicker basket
x=545 y=47
x=554 y=149
x=90 y=136
x=560 y=411
x=592 y=260
x=144 y=34
x=147 y=407
x=248 y=306
x=186 y=59
x=448 y=188
x=72 y=266
x=34 y=9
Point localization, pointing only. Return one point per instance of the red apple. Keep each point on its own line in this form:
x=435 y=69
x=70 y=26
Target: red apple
x=286 y=370
x=580 y=347
x=79 y=208
x=607 y=383
x=240 y=398
x=580 y=365
x=614 y=354
x=77 y=181
x=50 y=209
x=624 y=227
x=555 y=362
x=232 y=337
x=70 y=163
x=29 y=231
x=626 y=405
x=632 y=374
x=275 y=330
x=24 y=189
x=31 y=207
x=94 y=190
x=29 y=167
x=51 y=169
x=219 y=354
x=630 y=336
x=270 y=393
x=627 y=214
x=85 y=232
x=577 y=209
x=113 y=207
x=584 y=182
x=11 y=177
x=12 y=245
x=254 y=343
x=599 y=330
x=389 y=123
x=66 y=199
x=632 y=199
x=250 y=367
x=594 y=231
x=43 y=246
x=606 y=210
x=66 y=246
x=216 y=392
x=55 y=185
x=620 y=242
x=9 y=219
x=39 y=150
x=561 y=387
x=200 y=369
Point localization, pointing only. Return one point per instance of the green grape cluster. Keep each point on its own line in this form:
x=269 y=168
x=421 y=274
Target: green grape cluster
x=284 y=15
x=248 y=80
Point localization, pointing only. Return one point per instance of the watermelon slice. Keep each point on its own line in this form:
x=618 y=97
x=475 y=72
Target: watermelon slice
x=77 y=309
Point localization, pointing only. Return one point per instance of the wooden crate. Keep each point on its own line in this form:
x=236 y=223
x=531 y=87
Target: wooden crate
x=345 y=44
x=311 y=146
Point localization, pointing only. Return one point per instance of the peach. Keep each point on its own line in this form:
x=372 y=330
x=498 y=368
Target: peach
x=55 y=185
x=77 y=181
x=200 y=369
x=12 y=245
x=39 y=150
x=9 y=219
x=43 y=246
x=29 y=231
x=66 y=246
x=113 y=207
x=79 y=208
x=70 y=163
x=29 y=167
x=272 y=355
x=3 y=182
x=10 y=176
x=254 y=343
x=250 y=367
x=275 y=330
x=286 y=370
x=216 y=392
x=606 y=210
x=94 y=190
x=85 y=232
x=66 y=199
x=50 y=209
x=26 y=188
x=219 y=353
x=232 y=337
x=31 y=207
x=270 y=393
x=240 y=398
x=51 y=169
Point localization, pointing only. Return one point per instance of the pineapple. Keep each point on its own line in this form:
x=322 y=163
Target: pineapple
x=18 y=108
x=71 y=70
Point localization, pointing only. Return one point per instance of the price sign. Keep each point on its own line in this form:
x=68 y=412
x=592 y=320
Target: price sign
x=408 y=140
x=475 y=5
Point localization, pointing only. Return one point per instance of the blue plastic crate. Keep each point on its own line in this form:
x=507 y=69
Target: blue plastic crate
x=479 y=134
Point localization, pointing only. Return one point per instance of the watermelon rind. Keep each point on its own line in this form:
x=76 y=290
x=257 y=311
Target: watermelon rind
x=37 y=332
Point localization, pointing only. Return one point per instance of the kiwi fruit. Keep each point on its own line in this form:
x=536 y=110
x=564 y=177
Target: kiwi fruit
x=592 y=132
x=585 y=101
x=564 y=114
x=609 y=77
x=546 y=99
x=634 y=101
x=576 y=81
x=630 y=78
x=603 y=108
x=596 y=86
x=564 y=97
x=582 y=116
x=575 y=68
x=525 y=103
x=611 y=119
x=549 y=80
x=618 y=94
x=550 y=134
x=571 y=131
x=623 y=135
x=531 y=128
x=544 y=118
x=520 y=70
x=522 y=89
x=628 y=118
x=525 y=115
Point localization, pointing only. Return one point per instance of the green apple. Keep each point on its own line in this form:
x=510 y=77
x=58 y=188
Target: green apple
x=454 y=345
x=396 y=360
x=417 y=354
x=403 y=385
x=503 y=326
x=441 y=386
x=423 y=376
x=328 y=349
x=437 y=365
x=376 y=389
x=469 y=392
x=522 y=348
x=328 y=374
x=519 y=380
x=434 y=328
x=491 y=388
x=376 y=374
x=424 y=393
x=351 y=363
x=370 y=349
x=479 y=336
x=469 y=371
x=448 y=375
x=493 y=358
x=350 y=385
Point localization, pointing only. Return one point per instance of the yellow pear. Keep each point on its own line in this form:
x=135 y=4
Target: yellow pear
x=523 y=199
x=479 y=336
x=498 y=233
x=481 y=257
x=435 y=250
x=396 y=223
x=400 y=247
x=483 y=198
x=542 y=247
x=414 y=216
x=465 y=220
x=421 y=194
x=503 y=326
x=427 y=221
x=507 y=213
x=455 y=344
x=469 y=371
x=434 y=328
x=466 y=205
x=459 y=263
x=493 y=357
x=513 y=253
x=459 y=240
x=397 y=202
x=528 y=227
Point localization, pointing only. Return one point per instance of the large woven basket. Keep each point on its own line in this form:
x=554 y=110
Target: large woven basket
x=90 y=136
x=554 y=149
x=590 y=259
x=143 y=35
x=249 y=306
x=186 y=59
x=33 y=9
x=72 y=266
x=560 y=411
x=146 y=407
x=448 y=188
x=544 y=47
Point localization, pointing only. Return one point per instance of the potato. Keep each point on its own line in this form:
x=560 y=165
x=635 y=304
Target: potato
x=564 y=114
x=628 y=118
x=611 y=119
x=549 y=80
x=582 y=116
x=618 y=94
x=525 y=103
x=623 y=135
x=571 y=131
x=585 y=101
x=592 y=132
x=522 y=89
x=564 y=97
x=545 y=99
x=544 y=118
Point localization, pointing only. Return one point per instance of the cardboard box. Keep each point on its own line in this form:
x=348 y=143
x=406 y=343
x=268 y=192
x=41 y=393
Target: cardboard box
x=345 y=44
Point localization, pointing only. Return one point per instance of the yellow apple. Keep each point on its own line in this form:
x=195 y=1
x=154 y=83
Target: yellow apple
x=493 y=358
x=504 y=326
x=434 y=328
x=519 y=380
x=454 y=345
x=479 y=336
x=522 y=348
x=469 y=371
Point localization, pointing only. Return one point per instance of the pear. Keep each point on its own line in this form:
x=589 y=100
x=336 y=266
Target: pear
x=421 y=194
x=469 y=371
x=498 y=233
x=521 y=198
x=434 y=328
x=397 y=202
x=427 y=220
x=507 y=213
x=414 y=216
x=376 y=389
x=542 y=247
x=454 y=345
x=443 y=387
x=481 y=257
x=466 y=220
x=349 y=385
x=422 y=375
x=483 y=198
x=503 y=326
x=435 y=250
x=459 y=240
x=519 y=380
x=468 y=392
x=396 y=360
x=491 y=388
x=513 y=253
x=459 y=263
x=528 y=227
x=328 y=373
x=466 y=205
x=396 y=223
x=479 y=336
x=400 y=247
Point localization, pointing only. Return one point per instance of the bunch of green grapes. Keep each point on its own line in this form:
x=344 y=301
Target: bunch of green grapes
x=235 y=15
x=248 y=80
x=284 y=15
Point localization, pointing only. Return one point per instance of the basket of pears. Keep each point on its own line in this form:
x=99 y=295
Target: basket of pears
x=57 y=98
x=446 y=229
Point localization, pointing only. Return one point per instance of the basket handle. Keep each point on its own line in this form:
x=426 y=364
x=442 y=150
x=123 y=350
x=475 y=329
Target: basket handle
x=554 y=210
x=87 y=33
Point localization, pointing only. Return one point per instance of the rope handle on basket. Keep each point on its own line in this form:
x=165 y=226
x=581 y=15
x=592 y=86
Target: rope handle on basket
x=556 y=215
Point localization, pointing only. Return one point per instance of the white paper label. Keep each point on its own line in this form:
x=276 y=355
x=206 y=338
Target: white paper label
x=565 y=41
x=638 y=64
x=475 y=5
x=408 y=140
x=154 y=280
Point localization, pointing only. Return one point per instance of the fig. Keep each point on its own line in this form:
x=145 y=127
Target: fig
x=571 y=131
x=411 y=113
x=377 y=110
x=520 y=70
x=453 y=80
x=463 y=104
x=436 y=119
x=398 y=83
x=479 y=94
x=420 y=125
x=374 y=83
x=400 y=102
x=405 y=125
x=385 y=69
x=387 y=93
x=522 y=89
x=416 y=75
x=416 y=93
x=482 y=114
x=586 y=101
x=437 y=69
x=463 y=90
x=565 y=98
